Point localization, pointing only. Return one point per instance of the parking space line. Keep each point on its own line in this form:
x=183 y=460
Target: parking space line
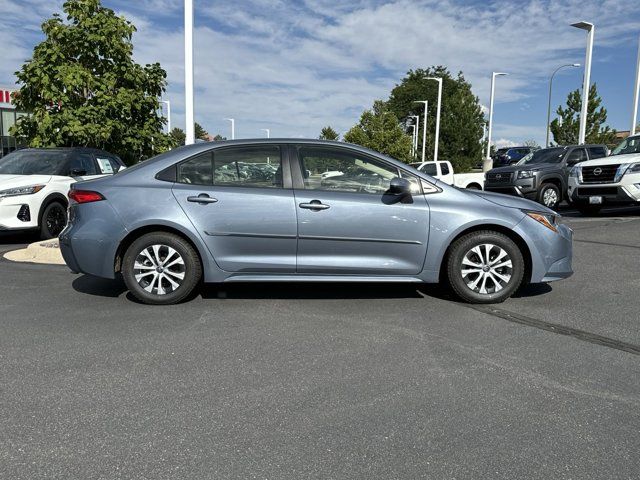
x=607 y=244
x=559 y=329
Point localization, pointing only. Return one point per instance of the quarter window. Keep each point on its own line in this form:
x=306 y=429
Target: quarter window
x=342 y=171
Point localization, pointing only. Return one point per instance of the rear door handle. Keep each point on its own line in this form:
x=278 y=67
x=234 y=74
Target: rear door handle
x=314 y=205
x=203 y=198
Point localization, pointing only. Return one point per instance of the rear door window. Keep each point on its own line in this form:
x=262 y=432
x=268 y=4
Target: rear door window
x=83 y=162
x=445 y=168
x=577 y=155
x=107 y=165
x=597 y=152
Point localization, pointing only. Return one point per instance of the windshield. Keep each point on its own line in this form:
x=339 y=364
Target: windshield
x=628 y=145
x=546 y=155
x=30 y=162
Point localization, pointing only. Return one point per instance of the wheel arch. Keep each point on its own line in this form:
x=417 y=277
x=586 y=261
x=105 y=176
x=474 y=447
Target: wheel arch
x=138 y=232
x=48 y=200
x=517 y=239
x=557 y=181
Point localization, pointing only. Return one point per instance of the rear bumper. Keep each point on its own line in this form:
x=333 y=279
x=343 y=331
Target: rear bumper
x=90 y=246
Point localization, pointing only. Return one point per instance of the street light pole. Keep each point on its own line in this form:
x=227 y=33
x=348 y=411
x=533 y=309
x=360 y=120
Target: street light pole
x=168 y=104
x=634 y=117
x=268 y=132
x=417 y=133
x=413 y=136
x=550 y=86
x=424 y=127
x=587 y=78
x=233 y=128
x=488 y=162
x=190 y=129
x=437 y=140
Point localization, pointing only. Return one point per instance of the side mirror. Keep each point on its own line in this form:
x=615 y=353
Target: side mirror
x=78 y=172
x=399 y=186
x=122 y=167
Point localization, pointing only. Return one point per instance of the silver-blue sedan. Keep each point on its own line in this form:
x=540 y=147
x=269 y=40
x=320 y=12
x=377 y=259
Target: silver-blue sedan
x=304 y=210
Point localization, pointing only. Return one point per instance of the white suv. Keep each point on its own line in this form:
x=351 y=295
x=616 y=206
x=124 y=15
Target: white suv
x=613 y=180
x=34 y=185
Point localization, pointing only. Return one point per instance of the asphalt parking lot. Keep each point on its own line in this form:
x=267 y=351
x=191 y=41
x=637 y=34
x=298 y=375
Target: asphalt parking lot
x=326 y=381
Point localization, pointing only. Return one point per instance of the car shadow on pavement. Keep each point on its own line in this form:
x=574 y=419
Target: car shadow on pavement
x=100 y=287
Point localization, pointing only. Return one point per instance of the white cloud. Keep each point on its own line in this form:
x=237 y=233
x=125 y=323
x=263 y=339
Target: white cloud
x=297 y=66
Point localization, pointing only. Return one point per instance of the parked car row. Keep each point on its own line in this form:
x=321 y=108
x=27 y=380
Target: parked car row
x=443 y=170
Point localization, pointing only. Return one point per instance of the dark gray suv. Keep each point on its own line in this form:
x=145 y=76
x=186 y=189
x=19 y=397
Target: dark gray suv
x=542 y=175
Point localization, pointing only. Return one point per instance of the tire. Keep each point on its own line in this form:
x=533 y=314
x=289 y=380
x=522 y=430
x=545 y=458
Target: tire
x=53 y=220
x=549 y=195
x=589 y=210
x=167 y=267
x=498 y=283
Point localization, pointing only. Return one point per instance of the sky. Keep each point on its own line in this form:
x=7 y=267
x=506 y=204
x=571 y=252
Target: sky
x=296 y=66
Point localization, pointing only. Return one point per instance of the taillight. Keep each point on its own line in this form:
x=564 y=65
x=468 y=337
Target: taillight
x=84 y=196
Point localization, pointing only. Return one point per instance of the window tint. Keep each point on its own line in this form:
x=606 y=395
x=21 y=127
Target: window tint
x=240 y=167
x=83 y=161
x=445 y=168
x=597 y=152
x=577 y=155
x=197 y=170
x=430 y=169
x=342 y=171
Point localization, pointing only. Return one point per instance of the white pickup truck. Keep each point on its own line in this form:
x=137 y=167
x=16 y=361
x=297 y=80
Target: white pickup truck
x=443 y=170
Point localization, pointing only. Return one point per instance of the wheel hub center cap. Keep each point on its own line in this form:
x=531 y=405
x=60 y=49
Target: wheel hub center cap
x=485 y=268
x=159 y=269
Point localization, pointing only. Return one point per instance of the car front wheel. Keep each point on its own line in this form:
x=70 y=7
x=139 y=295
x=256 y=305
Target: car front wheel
x=485 y=267
x=161 y=268
x=54 y=219
x=549 y=195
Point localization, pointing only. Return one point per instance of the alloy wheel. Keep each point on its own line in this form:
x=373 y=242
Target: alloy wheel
x=56 y=220
x=486 y=269
x=159 y=269
x=550 y=197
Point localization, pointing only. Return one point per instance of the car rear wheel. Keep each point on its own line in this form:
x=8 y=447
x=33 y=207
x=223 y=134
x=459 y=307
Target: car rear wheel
x=485 y=267
x=549 y=195
x=161 y=269
x=54 y=219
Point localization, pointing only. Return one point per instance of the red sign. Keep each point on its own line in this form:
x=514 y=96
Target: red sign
x=5 y=96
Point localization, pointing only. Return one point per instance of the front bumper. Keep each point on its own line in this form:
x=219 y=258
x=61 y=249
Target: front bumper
x=524 y=187
x=19 y=213
x=611 y=193
x=551 y=252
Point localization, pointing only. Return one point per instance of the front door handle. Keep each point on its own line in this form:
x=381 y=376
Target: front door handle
x=203 y=199
x=315 y=205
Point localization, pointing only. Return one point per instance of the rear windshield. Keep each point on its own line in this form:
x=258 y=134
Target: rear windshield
x=29 y=162
x=546 y=155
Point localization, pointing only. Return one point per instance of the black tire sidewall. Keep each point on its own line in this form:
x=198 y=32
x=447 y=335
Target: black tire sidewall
x=45 y=234
x=466 y=243
x=543 y=189
x=193 y=268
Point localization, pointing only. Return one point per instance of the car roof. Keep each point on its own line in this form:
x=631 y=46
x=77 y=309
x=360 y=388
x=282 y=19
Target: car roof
x=65 y=150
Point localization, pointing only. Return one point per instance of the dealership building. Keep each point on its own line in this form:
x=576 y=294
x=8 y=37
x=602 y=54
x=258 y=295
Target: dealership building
x=8 y=116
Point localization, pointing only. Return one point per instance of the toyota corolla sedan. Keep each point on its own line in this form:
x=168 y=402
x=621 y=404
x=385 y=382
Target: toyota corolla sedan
x=263 y=210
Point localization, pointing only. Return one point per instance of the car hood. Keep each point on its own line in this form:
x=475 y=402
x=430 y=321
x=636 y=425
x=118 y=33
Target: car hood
x=510 y=201
x=534 y=168
x=612 y=160
x=14 y=181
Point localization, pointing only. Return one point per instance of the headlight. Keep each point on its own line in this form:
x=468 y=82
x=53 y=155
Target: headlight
x=547 y=219
x=525 y=174
x=575 y=172
x=14 y=192
x=628 y=168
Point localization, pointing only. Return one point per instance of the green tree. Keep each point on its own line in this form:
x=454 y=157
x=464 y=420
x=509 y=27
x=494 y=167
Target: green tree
x=201 y=133
x=566 y=129
x=380 y=130
x=328 y=133
x=83 y=88
x=178 y=137
x=461 y=121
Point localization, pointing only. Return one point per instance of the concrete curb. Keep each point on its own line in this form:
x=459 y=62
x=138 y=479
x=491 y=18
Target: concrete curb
x=45 y=252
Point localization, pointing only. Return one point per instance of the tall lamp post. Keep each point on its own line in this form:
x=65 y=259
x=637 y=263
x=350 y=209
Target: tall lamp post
x=488 y=162
x=233 y=128
x=590 y=29
x=268 y=132
x=168 y=104
x=424 y=127
x=190 y=129
x=550 y=87
x=634 y=117
x=416 y=118
x=413 y=139
x=437 y=140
